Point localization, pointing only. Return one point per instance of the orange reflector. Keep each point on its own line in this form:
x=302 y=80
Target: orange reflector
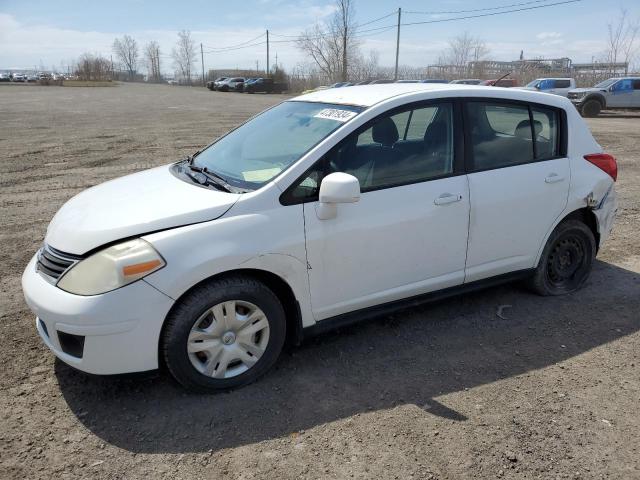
x=140 y=267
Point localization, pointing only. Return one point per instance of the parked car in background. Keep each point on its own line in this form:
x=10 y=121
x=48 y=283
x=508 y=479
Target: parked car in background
x=364 y=82
x=266 y=85
x=434 y=80
x=229 y=84
x=340 y=85
x=555 y=86
x=248 y=81
x=407 y=81
x=614 y=93
x=216 y=83
x=279 y=221
x=502 y=82
x=18 y=77
x=172 y=82
x=4 y=77
x=32 y=78
x=467 y=81
x=381 y=81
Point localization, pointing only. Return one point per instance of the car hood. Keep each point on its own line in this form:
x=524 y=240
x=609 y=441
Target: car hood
x=585 y=90
x=133 y=205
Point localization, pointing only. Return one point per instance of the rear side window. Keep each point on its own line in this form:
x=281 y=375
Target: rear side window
x=563 y=84
x=503 y=135
x=636 y=84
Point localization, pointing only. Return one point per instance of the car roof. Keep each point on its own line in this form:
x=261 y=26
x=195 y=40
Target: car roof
x=369 y=95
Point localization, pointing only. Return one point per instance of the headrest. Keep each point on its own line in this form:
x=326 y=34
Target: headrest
x=523 y=130
x=385 y=132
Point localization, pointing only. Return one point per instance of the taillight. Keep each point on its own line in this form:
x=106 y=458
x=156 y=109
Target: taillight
x=605 y=162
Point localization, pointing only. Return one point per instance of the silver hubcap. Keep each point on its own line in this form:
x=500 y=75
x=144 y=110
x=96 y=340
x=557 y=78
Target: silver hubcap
x=228 y=339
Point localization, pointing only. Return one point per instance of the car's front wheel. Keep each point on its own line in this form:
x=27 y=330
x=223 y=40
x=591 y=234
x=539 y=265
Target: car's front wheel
x=591 y=108
x=566 y=260
x=223 y=334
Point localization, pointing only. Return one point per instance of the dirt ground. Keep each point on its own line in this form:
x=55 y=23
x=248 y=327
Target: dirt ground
x=446 y=391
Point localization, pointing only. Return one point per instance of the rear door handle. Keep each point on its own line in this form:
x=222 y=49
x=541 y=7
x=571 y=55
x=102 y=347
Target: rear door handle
x=554 y=178
x=446 y=198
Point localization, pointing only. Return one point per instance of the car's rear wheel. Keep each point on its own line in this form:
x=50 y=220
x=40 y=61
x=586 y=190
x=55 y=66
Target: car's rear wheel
x=591 y=108
x=223 y=334
x=566 y=260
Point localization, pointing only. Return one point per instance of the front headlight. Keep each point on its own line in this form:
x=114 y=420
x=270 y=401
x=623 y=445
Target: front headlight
x=112 y=268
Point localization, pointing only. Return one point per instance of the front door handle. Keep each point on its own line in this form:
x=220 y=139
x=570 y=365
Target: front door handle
x=446 y=198
x=554 y=178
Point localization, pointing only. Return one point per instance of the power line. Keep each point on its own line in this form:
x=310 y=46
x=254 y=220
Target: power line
x=442 y=20
x=475 y=9
x=236 y=45
x=386 y=28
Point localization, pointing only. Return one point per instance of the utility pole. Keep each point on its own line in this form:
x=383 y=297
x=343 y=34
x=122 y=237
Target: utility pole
x=395 y=74
x=276 y=62
x=257 y=71
x=267 y=54
x=202 y=60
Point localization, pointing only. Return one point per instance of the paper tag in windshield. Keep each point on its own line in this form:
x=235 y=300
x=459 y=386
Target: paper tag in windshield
x=335 y=114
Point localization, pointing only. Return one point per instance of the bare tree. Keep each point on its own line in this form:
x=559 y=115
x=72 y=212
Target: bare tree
x=184 y=54
x=92 y=67
x=126 y=50
x=622 y=44
x=152 y=57
x=462 y=50
x=332 y=43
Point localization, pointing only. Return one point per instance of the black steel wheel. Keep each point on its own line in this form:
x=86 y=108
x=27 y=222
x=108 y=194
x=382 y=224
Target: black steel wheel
x=567 y=259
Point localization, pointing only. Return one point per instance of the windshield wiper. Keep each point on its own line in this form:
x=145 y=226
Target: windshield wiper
x=211 y=178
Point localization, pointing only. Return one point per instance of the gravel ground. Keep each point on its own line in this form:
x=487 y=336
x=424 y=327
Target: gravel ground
x=450 y=390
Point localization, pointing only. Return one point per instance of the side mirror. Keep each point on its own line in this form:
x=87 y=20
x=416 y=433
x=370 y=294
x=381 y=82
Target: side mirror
x=336 y=188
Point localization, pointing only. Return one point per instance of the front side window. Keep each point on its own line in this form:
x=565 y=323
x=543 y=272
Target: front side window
x=259 y=150
x=411 y=146
x=503 y=135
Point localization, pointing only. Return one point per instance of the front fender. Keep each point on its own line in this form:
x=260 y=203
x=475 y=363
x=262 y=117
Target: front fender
x=271 y=241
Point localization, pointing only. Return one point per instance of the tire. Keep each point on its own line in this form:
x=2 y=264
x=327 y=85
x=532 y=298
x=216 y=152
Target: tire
x=201 y=319
x=591 y=108
x=566 y=260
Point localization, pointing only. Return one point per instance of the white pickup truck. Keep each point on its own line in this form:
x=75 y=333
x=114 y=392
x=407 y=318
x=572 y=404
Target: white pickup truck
x=556 y=86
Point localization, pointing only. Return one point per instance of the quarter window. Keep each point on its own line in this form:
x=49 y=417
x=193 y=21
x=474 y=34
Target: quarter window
x=545 y=124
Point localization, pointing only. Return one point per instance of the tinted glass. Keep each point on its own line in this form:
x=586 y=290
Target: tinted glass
x=407 y=147
x=563 y=83
x=636 y=84
x=500 y=135
x=254 y=153
x=545 y=123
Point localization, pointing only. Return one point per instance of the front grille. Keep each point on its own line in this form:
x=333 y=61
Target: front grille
x=53 y=263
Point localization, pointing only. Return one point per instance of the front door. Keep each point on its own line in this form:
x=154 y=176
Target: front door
x=408 y=233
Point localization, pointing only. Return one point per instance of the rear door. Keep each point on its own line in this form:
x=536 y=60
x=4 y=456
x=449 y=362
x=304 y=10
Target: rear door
x=636 y=93
x=518 y=183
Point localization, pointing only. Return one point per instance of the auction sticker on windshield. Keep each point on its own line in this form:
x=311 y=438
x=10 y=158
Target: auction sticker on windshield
x=336 y=114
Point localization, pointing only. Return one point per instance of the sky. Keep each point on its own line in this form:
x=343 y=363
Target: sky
x=49 y=33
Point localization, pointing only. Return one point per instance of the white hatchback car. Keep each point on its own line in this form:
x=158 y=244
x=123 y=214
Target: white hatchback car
x=327 y=208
